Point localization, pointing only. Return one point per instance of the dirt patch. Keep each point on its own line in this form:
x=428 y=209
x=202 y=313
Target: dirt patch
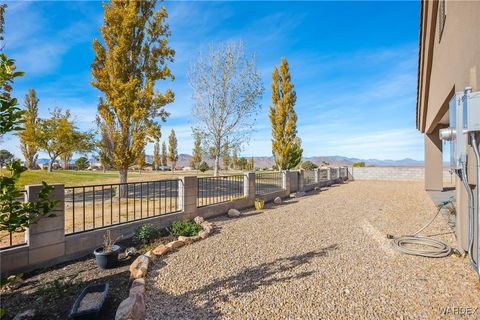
x=52 y=292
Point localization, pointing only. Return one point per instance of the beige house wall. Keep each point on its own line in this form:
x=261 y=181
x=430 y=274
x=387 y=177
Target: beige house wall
x=447 y=65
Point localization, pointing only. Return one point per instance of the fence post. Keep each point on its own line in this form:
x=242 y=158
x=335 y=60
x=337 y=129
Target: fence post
x=329 y=176
x=46 y=238
x=249 y=185
x=317 y=175
x=301 y=180
x=286 y=180
x=187 y=196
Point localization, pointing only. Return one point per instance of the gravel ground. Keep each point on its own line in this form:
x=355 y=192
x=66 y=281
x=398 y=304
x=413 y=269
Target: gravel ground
x=321 y=256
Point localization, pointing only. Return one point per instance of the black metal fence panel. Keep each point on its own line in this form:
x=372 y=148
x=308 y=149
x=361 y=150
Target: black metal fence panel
x=98 y=206
x=268 y=182
x=213 y=190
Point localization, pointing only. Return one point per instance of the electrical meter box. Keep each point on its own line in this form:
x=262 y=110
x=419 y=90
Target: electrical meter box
x=472 y=111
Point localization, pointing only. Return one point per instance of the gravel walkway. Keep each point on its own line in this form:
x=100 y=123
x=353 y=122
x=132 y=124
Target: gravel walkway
x=321 y=256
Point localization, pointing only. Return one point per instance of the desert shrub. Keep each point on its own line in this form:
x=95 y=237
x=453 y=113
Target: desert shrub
x=358 y=164
x=146 y=233
x=308 y=165
x=184 y=228
x=203 y=166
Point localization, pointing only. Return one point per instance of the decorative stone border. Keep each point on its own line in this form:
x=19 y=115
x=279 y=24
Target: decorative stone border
x=133 y=307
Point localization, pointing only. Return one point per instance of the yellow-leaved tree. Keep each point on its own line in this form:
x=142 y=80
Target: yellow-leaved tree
x=156 y=155
x=27 y=136
x=286 y=146
x=172 y=149
x=133 y=56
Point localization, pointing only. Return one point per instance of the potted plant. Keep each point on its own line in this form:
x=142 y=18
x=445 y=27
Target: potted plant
x=107 y=255
x=259 y=203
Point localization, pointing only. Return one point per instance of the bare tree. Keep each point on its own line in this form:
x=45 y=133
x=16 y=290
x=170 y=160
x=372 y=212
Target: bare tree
x=227 y=88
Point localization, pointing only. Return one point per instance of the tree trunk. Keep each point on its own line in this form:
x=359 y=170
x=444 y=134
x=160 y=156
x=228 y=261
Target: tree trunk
x=123 y=188
x=50 y=165
x=216 y=166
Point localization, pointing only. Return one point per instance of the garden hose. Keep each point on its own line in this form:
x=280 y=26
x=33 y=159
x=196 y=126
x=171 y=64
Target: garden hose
x=422 y=246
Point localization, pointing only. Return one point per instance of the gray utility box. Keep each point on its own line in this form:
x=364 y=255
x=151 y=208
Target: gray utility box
x=472 y=112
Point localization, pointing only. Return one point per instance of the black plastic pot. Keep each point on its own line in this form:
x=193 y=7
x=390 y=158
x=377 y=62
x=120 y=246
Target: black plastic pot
x=107 y=260
x=94 y=311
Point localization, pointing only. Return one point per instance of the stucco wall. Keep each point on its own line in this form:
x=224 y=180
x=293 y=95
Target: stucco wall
x=395 y=173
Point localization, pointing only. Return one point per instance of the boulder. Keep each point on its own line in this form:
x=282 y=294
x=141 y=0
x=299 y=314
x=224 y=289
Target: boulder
x=198 y=220
x=139 y=267
x=204 y=234
x=132 y=308
x=175 y=244
x=25 y=315
x=234 y=213
x=160 y=250
x=189 y=240
x=300 y=194
x=151 y=256
x=138 y=286
x=277 y=200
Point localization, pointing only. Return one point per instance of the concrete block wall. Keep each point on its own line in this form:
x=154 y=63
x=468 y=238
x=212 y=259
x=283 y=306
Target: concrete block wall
x=393 y=173
x=47 y=244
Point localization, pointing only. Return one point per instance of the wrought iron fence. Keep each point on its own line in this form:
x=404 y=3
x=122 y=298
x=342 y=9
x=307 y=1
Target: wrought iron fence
x=343 y=172
x=333 y=173
x=97 y=206
x=212 y=190
x=13 y=239
x=309 y=176
x=268 y=182
x=323 y=174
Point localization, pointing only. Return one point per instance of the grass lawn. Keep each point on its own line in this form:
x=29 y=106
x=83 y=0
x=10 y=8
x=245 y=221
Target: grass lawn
x=78 y=178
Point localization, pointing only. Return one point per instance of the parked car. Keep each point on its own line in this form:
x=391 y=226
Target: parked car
x=165 y=168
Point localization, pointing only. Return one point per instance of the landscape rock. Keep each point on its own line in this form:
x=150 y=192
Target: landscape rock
x=300 y=194
x=138 y=286
x=189 y=240
x=175 y=244
x=198 y=220
x=25 y=315
x=277 y=200
x=139 y=267
x=204 y=234
x=234 y=213
x=151 y=256
x=132 y=308
x=160 y=250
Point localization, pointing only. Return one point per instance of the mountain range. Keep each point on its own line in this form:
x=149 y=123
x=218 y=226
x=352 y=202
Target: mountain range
x=267 y=162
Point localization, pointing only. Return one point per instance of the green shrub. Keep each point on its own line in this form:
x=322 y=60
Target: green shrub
x=308 y=165
x=146 y=233
x=203 y=166
x=184 y=228
x=359 y=164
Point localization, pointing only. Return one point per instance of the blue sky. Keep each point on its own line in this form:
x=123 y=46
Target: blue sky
x=354 y=66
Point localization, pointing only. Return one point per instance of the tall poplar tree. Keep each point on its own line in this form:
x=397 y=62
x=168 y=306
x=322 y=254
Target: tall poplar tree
x=132 y=57
x=234 y=159
x=156 y=155
x=164 y=154
x=197 y=151
x=172 y=149
x=226 y=157
x=28 y=144
x=286 y=146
